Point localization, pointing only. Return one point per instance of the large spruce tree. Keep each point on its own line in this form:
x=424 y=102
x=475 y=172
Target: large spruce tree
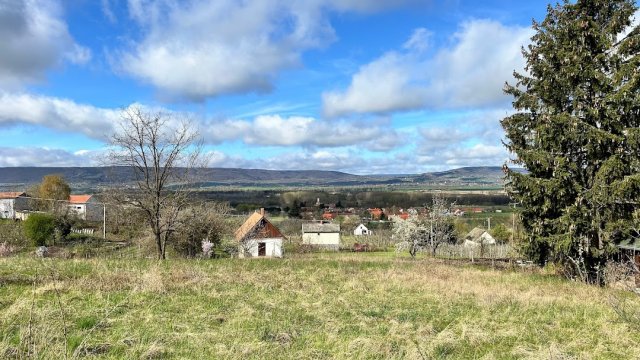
x=576 y=132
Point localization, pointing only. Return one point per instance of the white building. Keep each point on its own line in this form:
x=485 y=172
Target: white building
x=258 y=237
x=362 y=230
x=479 y=236
x=86 y=207
x=321 y=234
x=10 y=203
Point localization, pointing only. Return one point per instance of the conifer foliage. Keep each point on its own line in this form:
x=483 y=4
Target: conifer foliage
x=576 y=132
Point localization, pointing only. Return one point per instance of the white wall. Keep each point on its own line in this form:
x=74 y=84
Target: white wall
x=6 y=209
x=273 y=247
x=362 y=230
x=79 y=210
x=332 y=239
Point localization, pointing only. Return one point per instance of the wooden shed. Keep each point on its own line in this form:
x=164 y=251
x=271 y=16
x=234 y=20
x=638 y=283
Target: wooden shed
x=258 y=237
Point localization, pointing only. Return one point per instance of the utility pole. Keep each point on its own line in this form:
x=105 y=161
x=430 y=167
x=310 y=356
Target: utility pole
x=104 y=220
x=489 y=223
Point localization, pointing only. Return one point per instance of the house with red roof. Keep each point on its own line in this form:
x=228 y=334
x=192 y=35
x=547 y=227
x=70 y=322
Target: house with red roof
x=258 y=237
x=86 y=207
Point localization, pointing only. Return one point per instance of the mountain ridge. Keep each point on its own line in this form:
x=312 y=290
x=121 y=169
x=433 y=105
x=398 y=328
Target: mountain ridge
x=103 y=176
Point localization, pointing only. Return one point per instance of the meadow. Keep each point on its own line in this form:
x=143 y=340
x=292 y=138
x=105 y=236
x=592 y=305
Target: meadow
x=347 y=306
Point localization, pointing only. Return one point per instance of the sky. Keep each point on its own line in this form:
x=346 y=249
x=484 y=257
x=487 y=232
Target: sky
x=361 y=86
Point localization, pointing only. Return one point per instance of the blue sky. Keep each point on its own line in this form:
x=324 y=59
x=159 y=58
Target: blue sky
x=368 y=86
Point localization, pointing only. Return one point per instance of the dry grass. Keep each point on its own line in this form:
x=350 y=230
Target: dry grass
x=313 y=306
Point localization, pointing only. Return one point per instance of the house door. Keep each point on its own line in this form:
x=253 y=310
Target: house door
x=262 y=249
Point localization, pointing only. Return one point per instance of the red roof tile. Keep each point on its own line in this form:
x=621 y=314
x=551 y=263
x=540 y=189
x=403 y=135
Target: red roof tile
x=79 y=199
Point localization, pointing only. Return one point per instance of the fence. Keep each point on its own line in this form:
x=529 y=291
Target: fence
x=476 y=252
x=83 y=231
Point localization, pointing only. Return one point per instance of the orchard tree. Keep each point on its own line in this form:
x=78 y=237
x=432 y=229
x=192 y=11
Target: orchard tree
x=163 y=153
x=576 y=132
x=429 y=232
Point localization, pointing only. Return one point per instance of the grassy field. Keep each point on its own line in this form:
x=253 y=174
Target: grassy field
x=310 y=306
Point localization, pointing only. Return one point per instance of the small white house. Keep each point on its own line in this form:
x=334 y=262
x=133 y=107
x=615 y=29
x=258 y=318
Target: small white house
x=321 y=234
x=10 y=203
x=478 y=236
x=362 y=230
x=85 y=207
x=258 y=237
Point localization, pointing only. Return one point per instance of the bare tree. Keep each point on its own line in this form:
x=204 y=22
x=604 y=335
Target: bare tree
x=162 y=152
x=428 y=232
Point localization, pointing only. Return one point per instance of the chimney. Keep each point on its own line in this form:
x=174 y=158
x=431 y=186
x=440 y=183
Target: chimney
x=262 y=211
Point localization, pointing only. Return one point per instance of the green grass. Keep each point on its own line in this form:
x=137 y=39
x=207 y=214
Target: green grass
x=376 y=306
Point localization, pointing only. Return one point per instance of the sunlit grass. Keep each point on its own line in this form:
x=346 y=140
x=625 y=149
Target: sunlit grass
x=380 y=305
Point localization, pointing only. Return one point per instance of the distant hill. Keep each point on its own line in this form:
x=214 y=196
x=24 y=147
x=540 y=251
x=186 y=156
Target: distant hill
x=84 y=177
x=465 y=175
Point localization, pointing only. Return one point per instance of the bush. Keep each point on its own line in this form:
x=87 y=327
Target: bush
x=39 y=228
x=11 y=232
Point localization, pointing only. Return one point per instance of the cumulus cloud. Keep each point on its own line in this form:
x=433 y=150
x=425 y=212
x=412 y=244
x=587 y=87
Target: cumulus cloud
x=469 y=73
x=56 y=113
x=275 y=130
x=34 y=39
x=198 y=49
x=264 y=130
x=36 y=156
x=384 y=85
x=469 y=139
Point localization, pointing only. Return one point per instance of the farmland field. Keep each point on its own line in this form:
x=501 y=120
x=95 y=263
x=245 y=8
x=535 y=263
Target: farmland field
x=378 y=305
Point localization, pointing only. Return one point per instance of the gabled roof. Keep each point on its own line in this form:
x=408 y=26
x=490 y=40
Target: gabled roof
x=10 y=194
x=480 y=235
x=257 y=226
x=320 y=228
x=79 y=199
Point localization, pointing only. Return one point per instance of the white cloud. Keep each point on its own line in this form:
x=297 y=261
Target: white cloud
x=469 y=73
x=198 y=49
x=381 y=86
x=59 y=114
x=419 y=40
x=476 y=155
x=34 y=39
x=264 y=130
x=275 y=130
x=35 y=156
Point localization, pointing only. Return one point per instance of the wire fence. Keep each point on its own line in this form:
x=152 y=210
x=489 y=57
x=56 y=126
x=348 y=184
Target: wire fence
x=499 y=251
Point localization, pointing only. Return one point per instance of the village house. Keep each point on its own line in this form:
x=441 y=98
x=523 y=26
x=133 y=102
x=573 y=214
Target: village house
x=376 y=213
x=85 y=207
x=399 y=215
x=362 y=230
x=328 y=215
x=258 y=237
x=321 y=234
x=477 y=237
x=11 y=203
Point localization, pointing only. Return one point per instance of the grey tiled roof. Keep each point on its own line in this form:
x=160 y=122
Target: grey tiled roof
x=320 y=228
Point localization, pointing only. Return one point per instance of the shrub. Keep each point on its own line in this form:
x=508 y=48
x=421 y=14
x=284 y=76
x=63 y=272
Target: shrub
x=11 y=232
x=39 y=228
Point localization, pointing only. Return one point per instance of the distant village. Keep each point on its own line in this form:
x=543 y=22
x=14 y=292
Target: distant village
x=321 y=226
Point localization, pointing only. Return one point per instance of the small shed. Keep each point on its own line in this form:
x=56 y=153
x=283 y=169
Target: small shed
x=86 y=207
x=10 y=203
x=321 y=234
x=479 y=236
x=362 y=230
x=258 y=237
